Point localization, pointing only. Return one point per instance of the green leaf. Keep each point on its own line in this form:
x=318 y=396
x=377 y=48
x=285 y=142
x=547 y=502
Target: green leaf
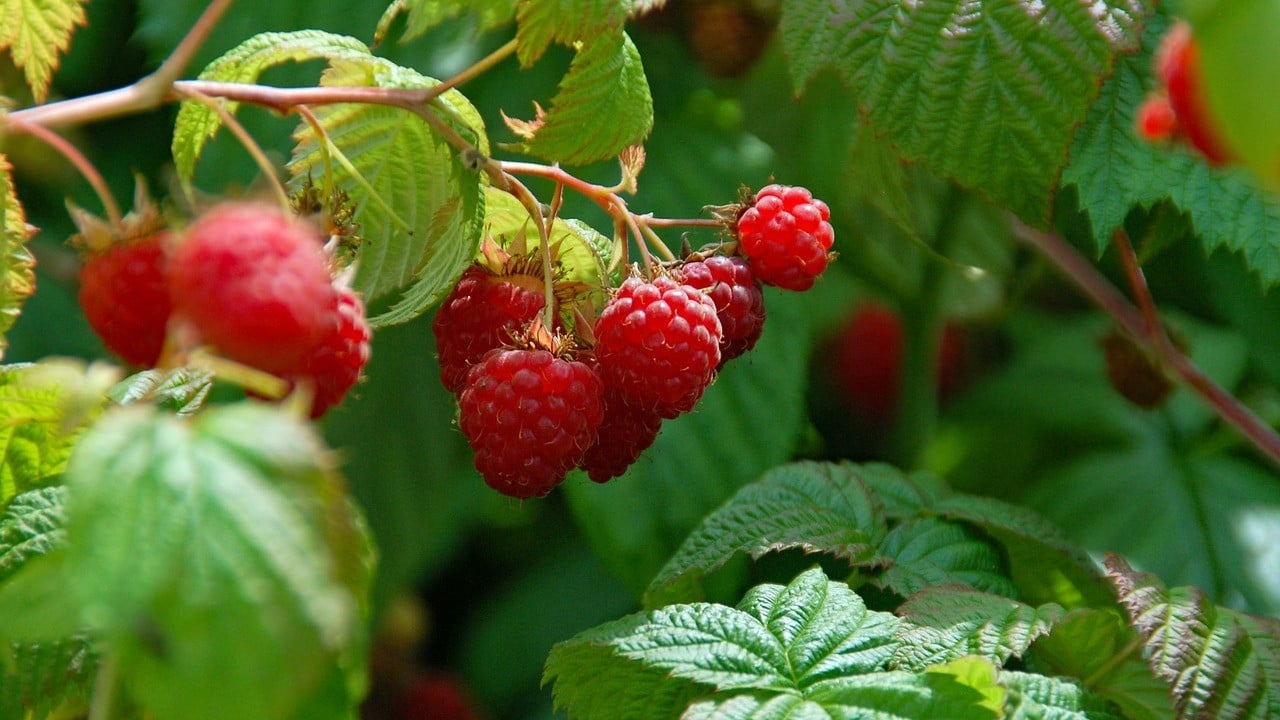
x=813 y=506
x=36 y=34
x=1035 y=697
x=903 y=696
x=1114 y=171
x=584 y=254
x=930 y=552
x=38 y=678
x=196 y=123
x=17 y=264
x=757 y=707
x=602 y=107
x=419 y=208
x=945 y=624
x=987 y=94
x=542 y=22
x=1095 y=646
x=220 y=548
x=37 y=605
x=31 y=526
x=422 y=15
x=182 y=390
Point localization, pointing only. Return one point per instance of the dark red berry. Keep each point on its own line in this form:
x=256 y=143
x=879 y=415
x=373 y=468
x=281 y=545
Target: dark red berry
x=435 y=696
x=484 y=311
x=727 y=36
x=1133 y=373
x=658 y=344
x=1156 y=121
x=529 y=416
x=254 y=283
x=334 y=365
x=125 y=297
x=785 y=234
x=1178 y=65
x=626 y=432
x=738 y=298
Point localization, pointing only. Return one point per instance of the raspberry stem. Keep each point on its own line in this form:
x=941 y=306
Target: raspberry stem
x=248 y=143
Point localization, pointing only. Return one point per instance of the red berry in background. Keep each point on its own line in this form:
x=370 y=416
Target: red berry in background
x=785 y=234
x=658 y=344
x=739 y=301
x=1178 y=66
x=334 y=365
x=435 y=696
x=254 y=283
x=1133 y=373
x=867 y=362
x=625 y=433
x=484 y=311
x=727 y=36
x=125 y=297
x=529 y=416
x=1157 y=121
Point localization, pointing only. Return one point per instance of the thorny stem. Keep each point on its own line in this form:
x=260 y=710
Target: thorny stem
x=1131 y=320
x=250 y=145
x=80 y=162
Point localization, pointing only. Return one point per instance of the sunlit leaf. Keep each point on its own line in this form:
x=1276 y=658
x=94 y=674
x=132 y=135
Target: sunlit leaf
x=37 y=32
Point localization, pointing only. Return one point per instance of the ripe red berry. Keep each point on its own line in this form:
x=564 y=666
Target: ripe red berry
x=658 y=344
x=1178 y=66
x=1157 y=121
x=529 y=416
x=785 y=234
x=739 y=301
x=435 y=696
x=626 y=432
x=334 y=365
x=125 y=297
x=484 y=311
x=254 y=283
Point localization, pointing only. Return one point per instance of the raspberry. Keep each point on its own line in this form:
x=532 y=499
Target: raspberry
x=435 y=696
x=125 y=297
x=334 y=365
x=627 y=431
x=785 y=234
x=658 y=344
x=529 y=416
x=738 y=299
x=1156 y=121
x=1133 y=373
x=1178 y=66
x=254 y=283
x=727 y=36
x=484 y=311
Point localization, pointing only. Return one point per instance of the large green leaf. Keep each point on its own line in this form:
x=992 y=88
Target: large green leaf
x=220 y=548
x=941 y=624
x=929 y=552
x=988 y=94
x=17 y=265
x=36 y=34
x=31 y=526
x=38 y=678
x=1034 y=697
x=418 y=207
x=422 y=15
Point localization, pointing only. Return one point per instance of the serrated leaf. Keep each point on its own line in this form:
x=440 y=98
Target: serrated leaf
x=602 y=107
x=904 y=696
x=930 y=552
x=182 y=390
x=196 y=123
x=17 y=264
x=31 y=526
x=1035 y=697
x=1204 y=653
x=37 y=32
x=1094 y=646
x=38 y=678
x=757 y=707
x=1114 y=171
x=219 y=548
x=542 y=22
x=584 y=254
x=419 y=208
x=422 y=15
x=813 y=506
x=945 y=624
x=987 y=94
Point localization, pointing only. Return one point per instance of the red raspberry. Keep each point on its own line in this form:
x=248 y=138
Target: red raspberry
x=738 y=298
x=785 y=234
x=529 y=416
x=334 y=366
x=484 y=311
x=125 y=297
x=1178 y=65
x=435 y=696
x=627 y=431
x=658 y=344
x=254 y=283
x=1156 y=120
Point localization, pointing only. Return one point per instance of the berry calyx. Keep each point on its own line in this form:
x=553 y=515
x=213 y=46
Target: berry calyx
x=739 y=300
x=1178 y=67
x=253 y=283
x=125 y=297
x=658 y=344
x=626 y=432
x=786 y=236
x=529 y=416
x=335 y=363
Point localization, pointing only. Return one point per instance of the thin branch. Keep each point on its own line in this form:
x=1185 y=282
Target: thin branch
x=481 y=66
x=250 y=145
x=1080 y=271
x=159 y=82
x=81 y=163
x=1138 y=284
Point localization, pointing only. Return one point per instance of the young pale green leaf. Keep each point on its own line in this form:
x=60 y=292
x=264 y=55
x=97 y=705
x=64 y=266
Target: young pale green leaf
x=422 y=15
x=197 y=123
x=31 y=526
x=542 y=22
x=988 y=94
x=1206 y=654
x=1095 y=646
x=36 y=33
x=17 y=264
x=813 y=506
x=182 y=390
x=929 y=552
x=1035 y=697
x=944 y=693
x=38 y=678
x=602 y=107
x=419 y=209
x=1114 y=171
x=220 y=548
x=941 y=624
x=583 y=253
